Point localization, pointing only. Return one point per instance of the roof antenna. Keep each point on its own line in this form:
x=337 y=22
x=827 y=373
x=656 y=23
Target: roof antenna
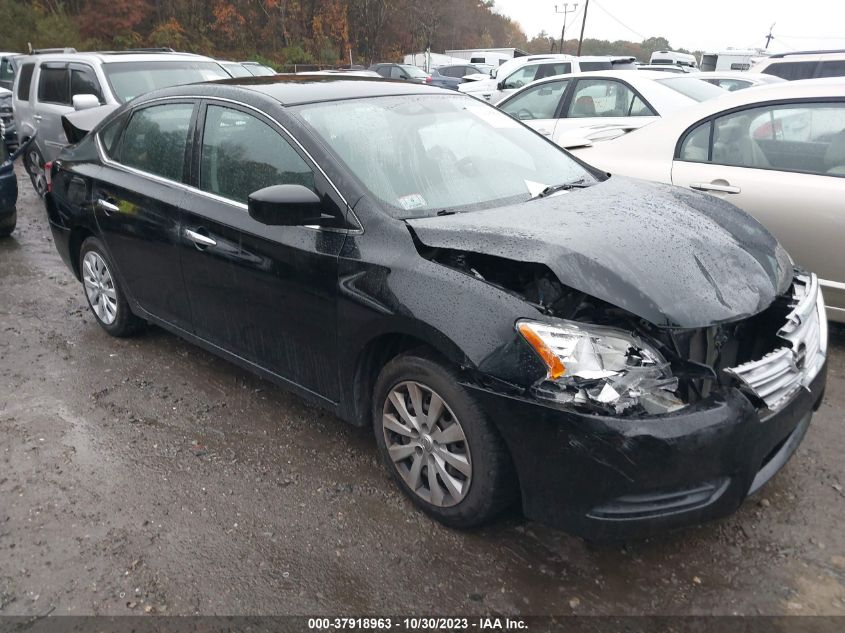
x=29 y=46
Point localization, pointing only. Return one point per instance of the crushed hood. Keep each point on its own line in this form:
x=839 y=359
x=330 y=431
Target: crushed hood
x=669 y=255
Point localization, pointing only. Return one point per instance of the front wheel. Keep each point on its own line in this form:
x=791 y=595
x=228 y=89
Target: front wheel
x=438 y=444
x=103 y=292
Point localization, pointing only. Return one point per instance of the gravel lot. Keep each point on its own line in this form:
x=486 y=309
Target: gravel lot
x=147 y=476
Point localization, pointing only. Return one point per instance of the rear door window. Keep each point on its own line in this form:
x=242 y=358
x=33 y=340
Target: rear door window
x=791 y=71
x=242 y=154
x=25 y=81
x=156 y=138
x=54 y=85
x=606 y=98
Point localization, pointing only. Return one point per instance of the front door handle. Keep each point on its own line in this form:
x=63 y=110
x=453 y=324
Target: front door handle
x=37 y=117
x=199 y=239
x=108 y=207
x=714 y=186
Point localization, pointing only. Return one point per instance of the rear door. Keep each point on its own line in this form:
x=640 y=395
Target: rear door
x=785 y=165
x=52 y=101
x=267 y=294
x=137 y=198
x=597 y=103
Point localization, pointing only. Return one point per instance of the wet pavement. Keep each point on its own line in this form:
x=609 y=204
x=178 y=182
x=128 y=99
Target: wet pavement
x=147 y=476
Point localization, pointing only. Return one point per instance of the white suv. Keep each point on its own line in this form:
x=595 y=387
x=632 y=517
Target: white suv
x=807 y=65
x=520 y=71
x=51 y=84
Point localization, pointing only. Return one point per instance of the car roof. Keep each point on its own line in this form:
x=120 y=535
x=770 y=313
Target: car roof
x=738 y=74
x=289 y=89
x=113 y=57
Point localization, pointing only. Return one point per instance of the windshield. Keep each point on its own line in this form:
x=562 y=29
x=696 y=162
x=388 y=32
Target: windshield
x=130 y=79
x=426 y=154
x=259 y=71
x=413 y=71
x=693 y=88
x=236 y=70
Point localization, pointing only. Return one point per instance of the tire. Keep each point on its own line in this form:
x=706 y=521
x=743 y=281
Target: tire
x=484 y=486
x=33 y=162
x=8 y=225
x=105 y=297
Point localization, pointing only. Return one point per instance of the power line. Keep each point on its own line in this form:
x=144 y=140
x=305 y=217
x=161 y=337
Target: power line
x=613 y=17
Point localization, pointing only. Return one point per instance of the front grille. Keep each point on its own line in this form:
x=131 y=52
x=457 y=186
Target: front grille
x=780 y=374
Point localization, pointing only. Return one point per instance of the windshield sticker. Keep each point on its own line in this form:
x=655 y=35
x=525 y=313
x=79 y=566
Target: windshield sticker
x=413 y=201
x=534 y=188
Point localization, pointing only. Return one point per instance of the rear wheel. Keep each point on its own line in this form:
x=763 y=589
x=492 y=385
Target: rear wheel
x=34 y=164
x=103 y=292
x=8 y=224
x=438 y=445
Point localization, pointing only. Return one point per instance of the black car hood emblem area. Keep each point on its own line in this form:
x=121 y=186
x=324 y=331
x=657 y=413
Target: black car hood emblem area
x=671 y=256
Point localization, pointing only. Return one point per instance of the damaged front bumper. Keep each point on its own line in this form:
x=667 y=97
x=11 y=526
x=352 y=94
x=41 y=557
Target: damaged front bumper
x=604 y=477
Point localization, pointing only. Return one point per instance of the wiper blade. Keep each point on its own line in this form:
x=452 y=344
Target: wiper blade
x=581 y=183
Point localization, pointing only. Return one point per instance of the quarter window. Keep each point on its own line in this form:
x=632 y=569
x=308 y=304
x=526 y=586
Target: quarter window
x=802 y=137
x=156 y=138
x=791 y=71
x=537 y=102
x=834 y=68
x=53 y=86
x=603 y=98
x=241 y=154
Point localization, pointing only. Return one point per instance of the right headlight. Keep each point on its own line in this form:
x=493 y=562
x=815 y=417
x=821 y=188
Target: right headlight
x=604 y=368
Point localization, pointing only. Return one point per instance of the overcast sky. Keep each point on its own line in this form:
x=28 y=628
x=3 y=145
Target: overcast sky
x=696 y=25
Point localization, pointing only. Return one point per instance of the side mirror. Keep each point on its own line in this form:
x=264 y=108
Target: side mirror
x=500 y=85
x=286 y=205
x=85 y=102
x=494 y=72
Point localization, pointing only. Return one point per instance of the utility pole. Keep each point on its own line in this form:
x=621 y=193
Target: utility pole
x=566 y=11
x=770 y=37
x=583 y=24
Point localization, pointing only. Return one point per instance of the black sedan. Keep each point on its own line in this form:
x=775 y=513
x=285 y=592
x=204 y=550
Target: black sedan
x=622 y=357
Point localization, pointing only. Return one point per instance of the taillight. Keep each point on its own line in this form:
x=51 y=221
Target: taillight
x=428 y=79
x=48 y=175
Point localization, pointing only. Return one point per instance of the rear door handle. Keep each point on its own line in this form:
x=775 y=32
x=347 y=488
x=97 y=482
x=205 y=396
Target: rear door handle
x=37 y=117
x=712 y=186
x=108 y=207
x=544 y=131
x=199 y=239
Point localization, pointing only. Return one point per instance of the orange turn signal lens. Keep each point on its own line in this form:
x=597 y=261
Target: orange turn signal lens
x=554 y=364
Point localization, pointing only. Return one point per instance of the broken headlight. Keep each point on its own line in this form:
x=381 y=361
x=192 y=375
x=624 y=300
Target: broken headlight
x=601 y=368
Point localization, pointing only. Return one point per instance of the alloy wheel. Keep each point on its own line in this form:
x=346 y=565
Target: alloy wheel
x=426 y=444
x=99 y=286
x=37 y=173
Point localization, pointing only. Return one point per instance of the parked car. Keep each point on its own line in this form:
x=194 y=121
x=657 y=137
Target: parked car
x=776 y=151
x=521 y=71
x=445 y=81
x=803 y=65
x=258 y=70
x=673 y=58
x=737 y=80
x=7 y=119
x=51 y=84
x=461 y=71
x=235 y=69
x=343 y=72
x=8 y=187
x=416 y=260
x=576 y=109
x=404 y=72
x=7 y=69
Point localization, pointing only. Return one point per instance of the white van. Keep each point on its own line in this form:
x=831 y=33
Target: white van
x=674 y=58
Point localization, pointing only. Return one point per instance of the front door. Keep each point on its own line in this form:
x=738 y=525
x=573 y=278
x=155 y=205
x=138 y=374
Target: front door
x=136 y=199
x=267 y=294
